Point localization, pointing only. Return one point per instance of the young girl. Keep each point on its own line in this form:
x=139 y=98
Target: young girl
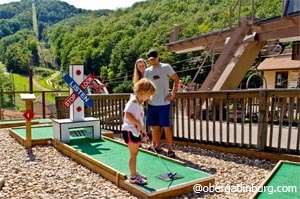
x=133 y=125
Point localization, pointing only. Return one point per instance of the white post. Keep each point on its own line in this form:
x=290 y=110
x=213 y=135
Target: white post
x=77 y=108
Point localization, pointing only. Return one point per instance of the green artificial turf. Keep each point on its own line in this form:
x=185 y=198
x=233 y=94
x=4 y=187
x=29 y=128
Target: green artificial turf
x=284 y=184
x=116 y=156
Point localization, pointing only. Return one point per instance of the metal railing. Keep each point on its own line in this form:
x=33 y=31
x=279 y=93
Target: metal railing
x=43 y=108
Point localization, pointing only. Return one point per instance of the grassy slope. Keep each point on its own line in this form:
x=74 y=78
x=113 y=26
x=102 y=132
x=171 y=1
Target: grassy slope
x=22 y=84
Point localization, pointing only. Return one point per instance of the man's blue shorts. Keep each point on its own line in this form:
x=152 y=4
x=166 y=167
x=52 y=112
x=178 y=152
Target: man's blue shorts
x=158 y=115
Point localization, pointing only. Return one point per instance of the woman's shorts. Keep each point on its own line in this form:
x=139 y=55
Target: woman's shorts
x=130 y=138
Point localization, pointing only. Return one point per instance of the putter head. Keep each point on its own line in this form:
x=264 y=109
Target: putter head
x=171 y=175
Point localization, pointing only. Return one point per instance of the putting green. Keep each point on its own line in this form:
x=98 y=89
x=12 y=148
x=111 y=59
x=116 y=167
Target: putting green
x=116 y=155
x=284 y=183
x=22 y=121
x=37 y=132
x=42 y=132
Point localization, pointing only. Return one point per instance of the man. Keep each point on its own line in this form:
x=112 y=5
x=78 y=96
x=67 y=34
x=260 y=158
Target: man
x=158 y=113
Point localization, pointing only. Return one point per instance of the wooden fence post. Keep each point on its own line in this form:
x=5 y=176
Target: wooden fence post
x=262 y=121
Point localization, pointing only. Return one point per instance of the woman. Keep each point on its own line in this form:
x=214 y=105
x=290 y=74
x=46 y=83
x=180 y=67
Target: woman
x=139 y=70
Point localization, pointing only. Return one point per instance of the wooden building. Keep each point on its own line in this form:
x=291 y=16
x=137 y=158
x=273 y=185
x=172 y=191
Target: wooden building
x=280 y=72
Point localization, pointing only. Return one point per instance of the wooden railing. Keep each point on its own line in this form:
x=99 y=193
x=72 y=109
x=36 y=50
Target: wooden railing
x=266 y=120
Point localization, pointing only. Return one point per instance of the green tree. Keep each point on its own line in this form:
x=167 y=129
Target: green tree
x=6 y=85
x=115 y=39
x=17 y=59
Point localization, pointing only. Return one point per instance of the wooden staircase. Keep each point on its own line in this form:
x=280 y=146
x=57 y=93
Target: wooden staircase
x=234 y=61
x=238 y=66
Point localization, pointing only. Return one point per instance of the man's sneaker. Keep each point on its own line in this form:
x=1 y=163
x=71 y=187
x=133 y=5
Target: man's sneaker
x=160 y=151
x=171 y=154
x=142 y=176
x=137 y=180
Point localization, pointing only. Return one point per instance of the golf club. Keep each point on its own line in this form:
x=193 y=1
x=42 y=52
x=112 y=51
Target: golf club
x=170 y=174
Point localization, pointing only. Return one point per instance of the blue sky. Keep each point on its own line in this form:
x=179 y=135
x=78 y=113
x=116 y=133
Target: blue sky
x=94 y=4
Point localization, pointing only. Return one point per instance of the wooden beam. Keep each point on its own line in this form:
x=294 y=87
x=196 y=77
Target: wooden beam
x=280 y=28
x=279 y=34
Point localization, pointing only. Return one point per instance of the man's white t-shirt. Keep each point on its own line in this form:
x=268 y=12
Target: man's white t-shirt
x=160 y=76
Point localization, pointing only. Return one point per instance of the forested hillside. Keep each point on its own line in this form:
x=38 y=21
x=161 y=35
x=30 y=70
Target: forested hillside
x=107 y=42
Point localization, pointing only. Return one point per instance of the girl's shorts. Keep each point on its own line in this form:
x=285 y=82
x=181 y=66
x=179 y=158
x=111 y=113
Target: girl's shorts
x=130 y=138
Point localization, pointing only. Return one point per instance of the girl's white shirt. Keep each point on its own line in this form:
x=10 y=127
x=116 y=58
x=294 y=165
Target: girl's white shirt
x=137 y=111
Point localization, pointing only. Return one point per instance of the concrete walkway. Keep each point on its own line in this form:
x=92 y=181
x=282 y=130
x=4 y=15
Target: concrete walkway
x=236 y=133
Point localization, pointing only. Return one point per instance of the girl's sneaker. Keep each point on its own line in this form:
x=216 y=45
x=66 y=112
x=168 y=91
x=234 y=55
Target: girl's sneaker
x=142 y=176
x=137 y=179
